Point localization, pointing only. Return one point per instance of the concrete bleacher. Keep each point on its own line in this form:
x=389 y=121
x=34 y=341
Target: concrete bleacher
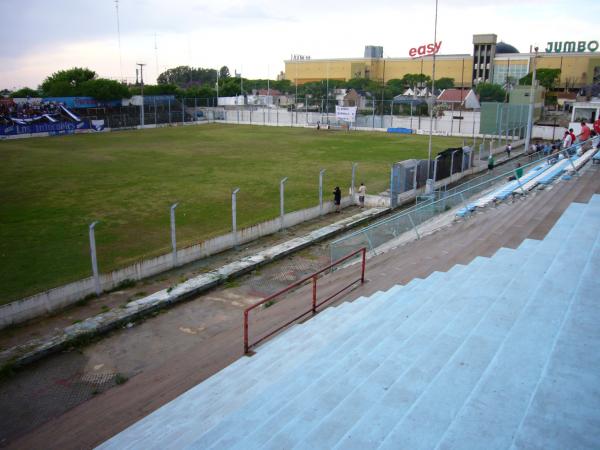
x=500 y=353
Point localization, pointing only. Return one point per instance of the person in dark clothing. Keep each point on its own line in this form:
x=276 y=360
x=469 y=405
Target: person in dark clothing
x=337 y=198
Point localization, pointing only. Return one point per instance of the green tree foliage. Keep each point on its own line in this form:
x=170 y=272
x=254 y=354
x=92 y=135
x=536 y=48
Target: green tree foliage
x=230 y=87
x=546 y=77
x=24 y=93
x=186 y=76
x=413 y=80
x=156 y=89
x=224 y=72
x=444 y=83
x=489 y=92
x=104 y=89
x=67 y=83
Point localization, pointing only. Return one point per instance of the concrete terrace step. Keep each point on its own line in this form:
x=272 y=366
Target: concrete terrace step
x=388 y=333
x=345 y=345
x=512 y=376
x=506 y=347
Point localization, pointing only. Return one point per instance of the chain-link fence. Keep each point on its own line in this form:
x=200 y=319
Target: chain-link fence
x=285 y=111
x=426 y=208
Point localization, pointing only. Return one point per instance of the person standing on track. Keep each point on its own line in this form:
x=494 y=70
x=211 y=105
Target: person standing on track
x=337 y=199
x=362 y=191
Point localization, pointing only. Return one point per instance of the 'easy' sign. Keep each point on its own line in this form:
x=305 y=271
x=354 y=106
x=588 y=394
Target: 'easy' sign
x=572 y=46
x=425 y=50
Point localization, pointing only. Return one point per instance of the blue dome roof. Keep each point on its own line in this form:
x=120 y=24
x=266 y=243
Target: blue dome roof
x=503 y=47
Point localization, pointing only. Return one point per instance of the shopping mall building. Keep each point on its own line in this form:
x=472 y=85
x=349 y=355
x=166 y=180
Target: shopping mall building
x=491 y=61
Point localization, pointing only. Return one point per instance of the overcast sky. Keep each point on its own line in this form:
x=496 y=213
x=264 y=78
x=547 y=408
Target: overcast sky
x=41 y=36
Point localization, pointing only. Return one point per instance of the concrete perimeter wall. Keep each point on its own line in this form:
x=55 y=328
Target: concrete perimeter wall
x=58 y=298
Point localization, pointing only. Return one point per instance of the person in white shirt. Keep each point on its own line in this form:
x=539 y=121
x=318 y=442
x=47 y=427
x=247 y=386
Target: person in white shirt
x=362 y=190
x=567 y=140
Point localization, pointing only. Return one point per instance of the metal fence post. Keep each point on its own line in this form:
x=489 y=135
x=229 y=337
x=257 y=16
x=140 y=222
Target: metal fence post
x=321 y=191
x=94 y=260
x=352 y=186
x=234 y=215
x=281 y=203
x=173 y=234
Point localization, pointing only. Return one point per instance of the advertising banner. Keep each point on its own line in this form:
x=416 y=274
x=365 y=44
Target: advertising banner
x=346 y=113
x=50 y=128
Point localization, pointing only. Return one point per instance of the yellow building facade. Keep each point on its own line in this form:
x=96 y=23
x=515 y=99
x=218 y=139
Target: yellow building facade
x=577 y=68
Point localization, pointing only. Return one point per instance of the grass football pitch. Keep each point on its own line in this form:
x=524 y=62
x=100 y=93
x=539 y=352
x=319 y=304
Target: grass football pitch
x=52 y=188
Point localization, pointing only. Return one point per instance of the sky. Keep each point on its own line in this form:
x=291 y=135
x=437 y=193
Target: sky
x=40 y=37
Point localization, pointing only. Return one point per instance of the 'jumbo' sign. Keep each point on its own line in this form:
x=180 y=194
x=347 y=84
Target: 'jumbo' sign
x=572 y=47
x=425 y=50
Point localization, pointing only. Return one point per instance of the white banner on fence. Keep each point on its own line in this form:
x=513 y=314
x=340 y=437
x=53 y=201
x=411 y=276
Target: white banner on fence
x=347 y=113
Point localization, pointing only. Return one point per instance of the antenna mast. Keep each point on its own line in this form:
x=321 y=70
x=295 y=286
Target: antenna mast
x=119 y=38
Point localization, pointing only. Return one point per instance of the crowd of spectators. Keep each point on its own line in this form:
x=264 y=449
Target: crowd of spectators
x=27 y=110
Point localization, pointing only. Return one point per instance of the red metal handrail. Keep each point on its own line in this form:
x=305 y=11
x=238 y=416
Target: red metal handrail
x=315 y=305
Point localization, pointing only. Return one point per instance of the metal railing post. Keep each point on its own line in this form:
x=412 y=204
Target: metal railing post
x=246 y=347
x=571 y=161
x=414 y=226
x=94 y=260
x=314 y=294
x=364 y=264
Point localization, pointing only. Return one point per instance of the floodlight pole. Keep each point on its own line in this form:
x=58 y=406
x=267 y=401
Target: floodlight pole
x=321 y=173
x=142 y=92
x=531 y=103
x=432 y=103
x=281 y=202
x=173 y=234
x=234 y=215
x=94 y=260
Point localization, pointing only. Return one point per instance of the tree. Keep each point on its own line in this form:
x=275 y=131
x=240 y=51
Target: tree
x=444 y=83
x=103 y=89
x=186 y=76
x=24 y=93
x=224 y=72
x=413 y=80
x=546 y=77
x=67 y=83
x=156 y=89
x=489 y=92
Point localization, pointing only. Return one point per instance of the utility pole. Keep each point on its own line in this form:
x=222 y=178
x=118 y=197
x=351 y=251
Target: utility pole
x=431 y=186
x=142 y=92
x=531 y=103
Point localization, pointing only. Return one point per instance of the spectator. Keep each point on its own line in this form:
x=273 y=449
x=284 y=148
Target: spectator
x=491 y=163
x=567 y=140
x=508 y=150
x=337 y=199
x=597 y=126
x=584 y=136
x=362 y=191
